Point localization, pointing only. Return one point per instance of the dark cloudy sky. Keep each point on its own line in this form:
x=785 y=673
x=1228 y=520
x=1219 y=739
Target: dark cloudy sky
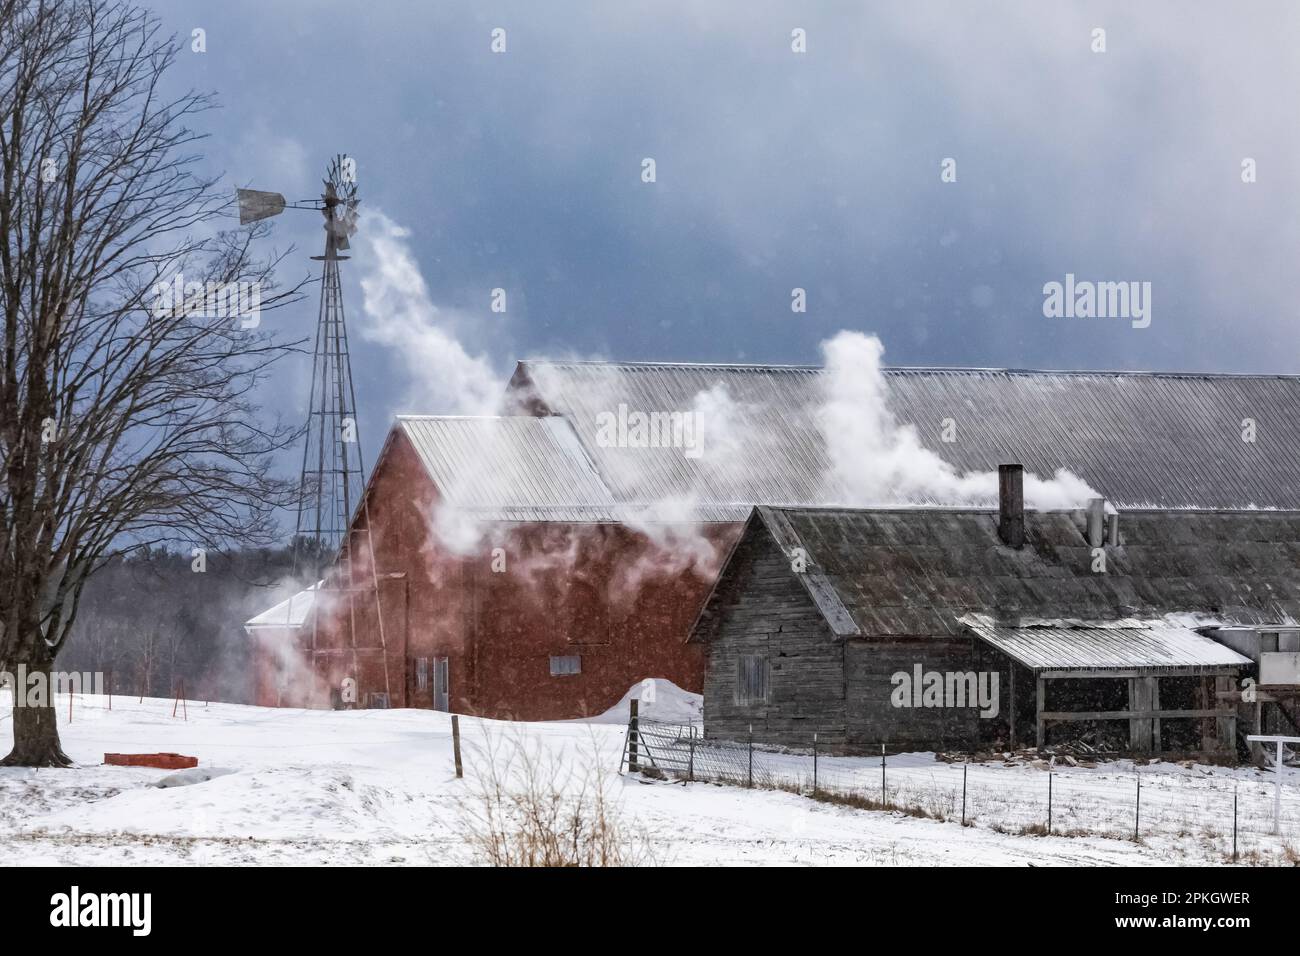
x=775 y=170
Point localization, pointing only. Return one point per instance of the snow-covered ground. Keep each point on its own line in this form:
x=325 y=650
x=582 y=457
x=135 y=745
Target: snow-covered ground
x=364 y=787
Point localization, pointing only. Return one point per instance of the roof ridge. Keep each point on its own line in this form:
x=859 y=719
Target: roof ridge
x=911 y=369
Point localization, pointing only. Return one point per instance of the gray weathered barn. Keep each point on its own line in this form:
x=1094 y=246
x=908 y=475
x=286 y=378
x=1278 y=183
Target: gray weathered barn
x=818 y=612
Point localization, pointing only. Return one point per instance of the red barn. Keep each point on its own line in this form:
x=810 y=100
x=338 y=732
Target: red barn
x=538 y=564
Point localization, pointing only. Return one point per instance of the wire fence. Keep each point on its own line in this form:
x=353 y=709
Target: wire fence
x=1228 y=815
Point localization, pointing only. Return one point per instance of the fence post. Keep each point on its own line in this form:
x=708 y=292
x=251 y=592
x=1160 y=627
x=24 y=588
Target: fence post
x=1049 y=803
x=883 y=803
x=751 y=756
x=110 y=689
x=455 y=743
x=1278 y=768
x=814 y=765
x=1234 y=824
x=1137 y=810
x=964 y=768
x=690 y=766
x=632 y=707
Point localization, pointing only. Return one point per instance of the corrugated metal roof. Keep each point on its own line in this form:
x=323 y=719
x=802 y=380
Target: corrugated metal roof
x=291 y=612
x=911 y=572
x=1142 y=439
x=518 y=462
x=1106 y=645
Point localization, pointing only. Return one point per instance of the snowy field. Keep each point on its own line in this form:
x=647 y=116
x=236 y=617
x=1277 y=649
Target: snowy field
x=373 y=787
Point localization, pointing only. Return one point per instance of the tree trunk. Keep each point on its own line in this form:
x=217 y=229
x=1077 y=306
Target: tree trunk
x=36 y=732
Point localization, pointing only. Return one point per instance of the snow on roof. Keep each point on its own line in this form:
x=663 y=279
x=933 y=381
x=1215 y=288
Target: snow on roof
x=291 y=612
x=1128 y=644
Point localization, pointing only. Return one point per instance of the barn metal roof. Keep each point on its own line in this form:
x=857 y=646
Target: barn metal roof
x=1128 y=644
x=916 y=572
x=514 y=463
x=291 y=612
x=1142 y=439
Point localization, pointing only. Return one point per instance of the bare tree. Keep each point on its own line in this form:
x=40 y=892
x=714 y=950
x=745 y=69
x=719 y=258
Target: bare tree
x=125 y=419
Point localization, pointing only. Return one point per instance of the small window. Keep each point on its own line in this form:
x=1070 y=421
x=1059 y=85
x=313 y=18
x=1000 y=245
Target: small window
x=422 y=673
x=566 y=665
x=751 y=679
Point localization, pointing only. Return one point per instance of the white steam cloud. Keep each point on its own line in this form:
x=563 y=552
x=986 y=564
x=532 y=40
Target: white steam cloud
x=400 y=314
x=876 y=461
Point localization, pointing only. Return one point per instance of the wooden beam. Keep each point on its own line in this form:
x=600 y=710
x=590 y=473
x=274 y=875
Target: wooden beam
x=1133 y=714
x=1142 y=672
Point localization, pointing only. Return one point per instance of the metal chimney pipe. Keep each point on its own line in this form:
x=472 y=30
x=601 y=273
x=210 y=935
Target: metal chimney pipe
x=1112 y=529
x=1096 y=522
x=1011 y=505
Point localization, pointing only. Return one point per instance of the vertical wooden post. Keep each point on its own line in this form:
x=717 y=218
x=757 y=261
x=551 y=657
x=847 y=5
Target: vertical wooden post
x=1013 y=706
x=882 y=776
x=814 y=764
x=750 y=782
x=1049 y=803
x=690 y=766
x=1137 y=809
x=69 y=703
x=1225 y=727
x=455 y=744
x=1279 y=769
x=1155 y=721
x=1234 y=825
x=632 y=708
x=964 y=768
x=1141 y=691
x=110 y=690
x=1040 y=705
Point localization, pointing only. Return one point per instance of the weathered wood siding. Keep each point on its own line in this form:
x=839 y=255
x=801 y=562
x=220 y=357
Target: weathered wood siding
x=764 y=610
x=872 y=719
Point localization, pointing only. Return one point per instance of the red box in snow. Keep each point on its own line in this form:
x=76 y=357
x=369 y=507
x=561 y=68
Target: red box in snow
x=161 y=761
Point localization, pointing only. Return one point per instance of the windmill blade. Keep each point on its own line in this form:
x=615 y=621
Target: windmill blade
x=255 y=204
x=350 y=218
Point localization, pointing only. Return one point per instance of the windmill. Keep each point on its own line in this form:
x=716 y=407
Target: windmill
x=333 y=474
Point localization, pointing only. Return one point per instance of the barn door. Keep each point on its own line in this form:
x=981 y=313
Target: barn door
x=419 y=682
x=441 y=684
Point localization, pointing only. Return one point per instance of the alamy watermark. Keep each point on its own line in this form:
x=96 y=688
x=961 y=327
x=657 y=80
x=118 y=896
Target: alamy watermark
x=1098 y=300
x=960 y=689
x=37 y=689
x=628 y=428
x=214 y=300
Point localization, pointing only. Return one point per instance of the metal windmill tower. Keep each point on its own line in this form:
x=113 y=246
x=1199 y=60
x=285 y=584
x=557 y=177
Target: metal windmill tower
x=333 y=474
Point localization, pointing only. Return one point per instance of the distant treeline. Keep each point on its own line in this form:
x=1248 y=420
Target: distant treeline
x=152 y=620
